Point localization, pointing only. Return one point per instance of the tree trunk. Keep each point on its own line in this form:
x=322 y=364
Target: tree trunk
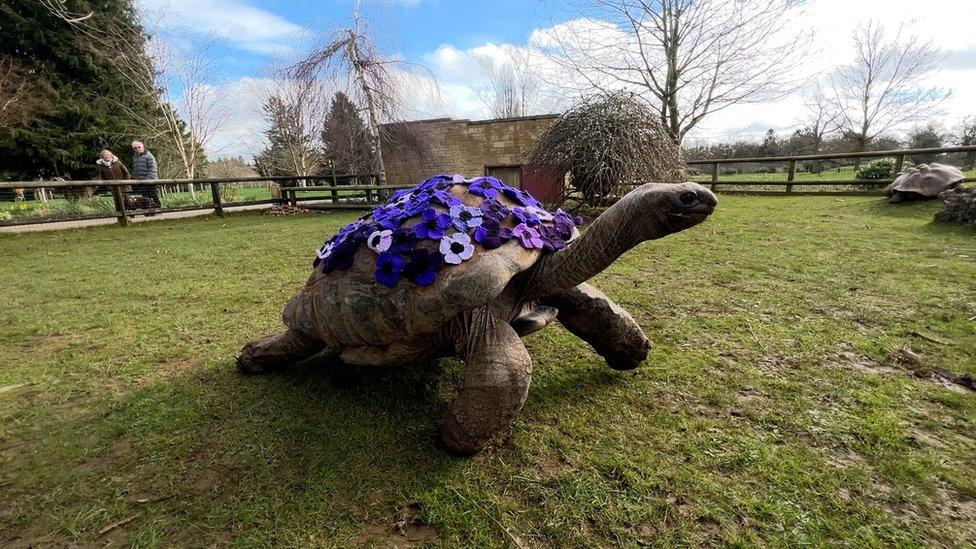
x=374 y=131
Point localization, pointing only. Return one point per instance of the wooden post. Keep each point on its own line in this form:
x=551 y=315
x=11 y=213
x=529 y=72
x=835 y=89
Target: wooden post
x=120 y=205
x=293 y=198
x=333 y=185
x=217 y=204
x=791 y=176
x=899 y=165
x=714 y=174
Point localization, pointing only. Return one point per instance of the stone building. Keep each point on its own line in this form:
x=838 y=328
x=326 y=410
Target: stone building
x=413 y=151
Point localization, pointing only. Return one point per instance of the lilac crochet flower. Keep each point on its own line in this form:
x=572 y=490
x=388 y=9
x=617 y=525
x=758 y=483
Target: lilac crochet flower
x=465 y=217
x=486 y=187
x=325 y=250
x=456 y=248
x=423 y=266
x=446 y=199
x=542 y=214
x=494 y=209
x=491 y=234
x=525 y=216
x=530 y=237
x=552 y=238
x=389 y=267
x=432 y=224
x=380 y=241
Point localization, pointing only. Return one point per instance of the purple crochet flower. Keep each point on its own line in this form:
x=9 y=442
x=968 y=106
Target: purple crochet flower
x=325 y=250
x=520 y=196
x=552 y=238
x=456 y=248
x=525 y=216
x=491 y=234
x=486 y=187
x=423 y=267
x=465 y=217
x=530 y=237
x=494 y=209
x=389 y=267
x=380 y=241
x=403 y=241
x=432 y=224
x=447 y=199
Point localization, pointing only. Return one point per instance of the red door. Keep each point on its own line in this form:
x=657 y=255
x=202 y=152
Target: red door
x=546 y=184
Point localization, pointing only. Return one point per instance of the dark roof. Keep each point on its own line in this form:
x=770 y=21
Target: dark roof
x=468 y=121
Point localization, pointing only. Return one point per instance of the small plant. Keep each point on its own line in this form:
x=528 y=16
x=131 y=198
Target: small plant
x=881 y=168
x=958 y=206
x=229 y=192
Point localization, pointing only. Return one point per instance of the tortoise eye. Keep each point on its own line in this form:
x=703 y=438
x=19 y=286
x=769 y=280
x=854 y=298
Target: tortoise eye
x=689 y=198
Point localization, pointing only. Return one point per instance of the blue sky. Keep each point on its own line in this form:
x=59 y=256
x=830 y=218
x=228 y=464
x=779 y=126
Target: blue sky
x=452 y=38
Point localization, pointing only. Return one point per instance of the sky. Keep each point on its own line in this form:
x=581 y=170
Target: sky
x=450 y=39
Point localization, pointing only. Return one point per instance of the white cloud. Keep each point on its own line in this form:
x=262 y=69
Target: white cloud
x=947 y=23
x=241 y=25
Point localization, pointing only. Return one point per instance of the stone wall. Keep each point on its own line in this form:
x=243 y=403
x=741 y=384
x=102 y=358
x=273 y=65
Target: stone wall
x=413 y=151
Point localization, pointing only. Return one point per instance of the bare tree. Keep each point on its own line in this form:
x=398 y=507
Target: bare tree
x=885 y=87
x=295 y=113
x=189 y=113
x=15 y=88
x=512 y=88
x=686 y=58
x=964 y=135
x=192 y=118
x=351 y=53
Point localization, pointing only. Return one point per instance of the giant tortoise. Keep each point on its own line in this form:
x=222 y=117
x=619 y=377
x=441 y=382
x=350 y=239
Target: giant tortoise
x=465 y=267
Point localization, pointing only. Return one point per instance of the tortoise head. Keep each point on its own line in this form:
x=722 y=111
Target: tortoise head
x=651 y=211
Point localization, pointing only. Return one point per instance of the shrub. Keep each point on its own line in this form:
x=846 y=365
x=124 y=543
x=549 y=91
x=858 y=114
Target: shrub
x=958 y=205
x=881 y=168
x=607 y=142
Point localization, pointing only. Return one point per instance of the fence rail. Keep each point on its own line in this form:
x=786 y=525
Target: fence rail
x=126 y=205
x=791 y=173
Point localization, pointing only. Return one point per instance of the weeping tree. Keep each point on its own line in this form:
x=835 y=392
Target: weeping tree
x=608 y=142
x=378 y=81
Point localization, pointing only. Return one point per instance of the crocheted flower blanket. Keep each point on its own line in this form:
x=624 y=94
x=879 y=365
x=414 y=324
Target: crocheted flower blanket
x=397 y=231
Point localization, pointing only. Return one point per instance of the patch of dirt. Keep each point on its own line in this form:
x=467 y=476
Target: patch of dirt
x=122 y=449
x=174 y=366
x=846 y=357
x=552 y=465
x=412 y=525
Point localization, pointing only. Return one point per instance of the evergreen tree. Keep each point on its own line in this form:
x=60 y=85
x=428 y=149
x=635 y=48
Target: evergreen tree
x=292 y=148
x=71 y=118
x=345 y=139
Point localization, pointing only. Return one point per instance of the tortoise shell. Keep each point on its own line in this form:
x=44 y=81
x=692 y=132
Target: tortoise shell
x=433 y=251
x=926 y=180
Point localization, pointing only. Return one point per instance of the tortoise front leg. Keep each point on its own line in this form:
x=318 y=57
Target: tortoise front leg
x=497 y=373
x=276 y=350
x=606 y=326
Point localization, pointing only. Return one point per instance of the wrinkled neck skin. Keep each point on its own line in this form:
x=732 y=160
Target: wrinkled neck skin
x=632 y=220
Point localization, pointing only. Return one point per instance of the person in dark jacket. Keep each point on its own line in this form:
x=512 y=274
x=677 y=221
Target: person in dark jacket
x=110 y=168
x=144 y=167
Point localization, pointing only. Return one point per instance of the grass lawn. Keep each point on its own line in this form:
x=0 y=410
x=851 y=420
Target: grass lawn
x=800 y=391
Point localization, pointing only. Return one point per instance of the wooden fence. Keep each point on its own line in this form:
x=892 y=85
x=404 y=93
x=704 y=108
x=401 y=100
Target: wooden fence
x=790 y=182
x=340 y=192
x=294 y=190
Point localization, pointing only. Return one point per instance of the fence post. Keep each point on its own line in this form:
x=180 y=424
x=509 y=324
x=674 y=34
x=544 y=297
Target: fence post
x=714 y=174
x=899 y=164
x=120 y=205
x=293 y=198
x=791 y=176
x=217 y=204
x=333 y=184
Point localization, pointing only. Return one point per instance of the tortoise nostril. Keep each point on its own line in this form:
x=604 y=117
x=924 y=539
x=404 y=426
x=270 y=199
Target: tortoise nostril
x=689 y=198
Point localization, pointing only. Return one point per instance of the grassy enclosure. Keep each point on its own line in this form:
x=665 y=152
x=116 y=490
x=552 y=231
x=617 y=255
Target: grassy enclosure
x=810 y=383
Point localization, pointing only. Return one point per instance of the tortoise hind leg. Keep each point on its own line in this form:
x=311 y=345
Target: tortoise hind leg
x=607 y=327
x=497 y=374
x=277 y=350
